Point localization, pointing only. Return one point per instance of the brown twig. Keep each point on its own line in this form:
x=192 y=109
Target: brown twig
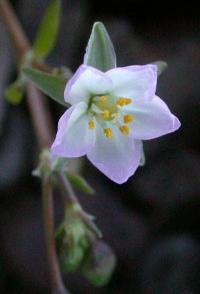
x=14 y=28
x=57 y=285
x=40 y=115
x=42 y=122
x=35 y=102
x=17 y=34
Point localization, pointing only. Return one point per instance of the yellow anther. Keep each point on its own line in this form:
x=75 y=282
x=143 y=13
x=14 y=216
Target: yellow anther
x=91 y=124
x=106 y=114
x=128 y=119
x=124 y=129
x=108 y=133
x=123 y=101
x=103 y=98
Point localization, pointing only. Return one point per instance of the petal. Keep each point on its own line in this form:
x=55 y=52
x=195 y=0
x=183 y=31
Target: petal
x=136 y=82
x=87 y=81
x=152 y=119
x=74 y=138
x=117 y=157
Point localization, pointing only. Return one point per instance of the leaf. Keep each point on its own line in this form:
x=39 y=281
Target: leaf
x=14 y=93
x=100 y=52
x=80 y=183
x=48 y=30
x=161 y=66
x=51 y=85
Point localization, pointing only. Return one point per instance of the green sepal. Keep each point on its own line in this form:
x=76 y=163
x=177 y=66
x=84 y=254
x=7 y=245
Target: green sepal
x=142 y=157
x=44 y=168
x=72 y=239
x=51 y=84
x=48 y=30
x=71 y=258
x=100 y=52
x=161 y=66
x=80 y=183
x=14 y=93
x=60 y=164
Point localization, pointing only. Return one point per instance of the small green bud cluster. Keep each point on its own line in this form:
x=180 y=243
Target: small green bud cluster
x=79 y=248
x=73 y=239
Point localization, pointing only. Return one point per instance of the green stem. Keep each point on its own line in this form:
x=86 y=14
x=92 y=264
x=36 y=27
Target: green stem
x=70 y=197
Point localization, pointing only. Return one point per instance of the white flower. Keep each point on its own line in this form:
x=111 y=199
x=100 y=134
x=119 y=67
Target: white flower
x=111 y=114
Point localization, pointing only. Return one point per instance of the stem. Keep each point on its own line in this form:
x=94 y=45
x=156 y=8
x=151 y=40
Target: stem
x=40 y=115
x=36 y=102
x=71 y=197
x=17 y=34
x=42 y=122
x=14 y=28
x=47 y=196
x=67 y=188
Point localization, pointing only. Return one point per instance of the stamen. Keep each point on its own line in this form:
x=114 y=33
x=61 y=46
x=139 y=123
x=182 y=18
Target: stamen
x=103 y=98
x=122 y=101
x=91 y=124
x=108 y=133
x=128 y=119
x=106 y=114
x=124 y=129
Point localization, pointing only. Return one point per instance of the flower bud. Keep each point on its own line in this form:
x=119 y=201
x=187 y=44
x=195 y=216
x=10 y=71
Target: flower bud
x=72 y=240
x=73 y=246
x=99 y=264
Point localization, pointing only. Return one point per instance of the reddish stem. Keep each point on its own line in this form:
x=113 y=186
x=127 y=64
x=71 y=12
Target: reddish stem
x=43 y=127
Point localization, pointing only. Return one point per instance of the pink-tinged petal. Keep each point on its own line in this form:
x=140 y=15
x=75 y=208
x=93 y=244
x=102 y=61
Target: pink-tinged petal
x=152 y=119
x=136 y=82
x=86 y=82
x=117 y=157
x=73 y=138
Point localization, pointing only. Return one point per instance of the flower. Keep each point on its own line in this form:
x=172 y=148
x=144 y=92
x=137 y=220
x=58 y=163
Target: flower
x=111 y=113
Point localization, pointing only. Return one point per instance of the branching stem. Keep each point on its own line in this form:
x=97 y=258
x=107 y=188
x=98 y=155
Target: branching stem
x=43 y=127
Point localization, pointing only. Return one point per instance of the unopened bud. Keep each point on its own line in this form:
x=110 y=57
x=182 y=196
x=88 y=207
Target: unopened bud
x=99 y=265
x=72 y=241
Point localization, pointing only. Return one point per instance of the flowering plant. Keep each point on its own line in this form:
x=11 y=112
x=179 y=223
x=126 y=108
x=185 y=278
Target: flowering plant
x=112 y=111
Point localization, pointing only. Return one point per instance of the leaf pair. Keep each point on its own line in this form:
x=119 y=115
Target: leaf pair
x=44 y=43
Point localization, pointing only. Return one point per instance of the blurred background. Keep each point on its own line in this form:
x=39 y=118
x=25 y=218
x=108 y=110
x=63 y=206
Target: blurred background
x=151 y=222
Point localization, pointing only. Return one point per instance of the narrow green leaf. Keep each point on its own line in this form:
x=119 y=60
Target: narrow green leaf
x=100 y=52
x=14 y=93
x=51 y=85
x=48 y=30
x=161 y=66
x=80 y=183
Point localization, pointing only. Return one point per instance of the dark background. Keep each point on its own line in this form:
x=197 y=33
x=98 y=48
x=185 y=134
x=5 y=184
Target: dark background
x=152 y=222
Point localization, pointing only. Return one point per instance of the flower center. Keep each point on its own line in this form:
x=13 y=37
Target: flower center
x=107 y=107
x=108 y=112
